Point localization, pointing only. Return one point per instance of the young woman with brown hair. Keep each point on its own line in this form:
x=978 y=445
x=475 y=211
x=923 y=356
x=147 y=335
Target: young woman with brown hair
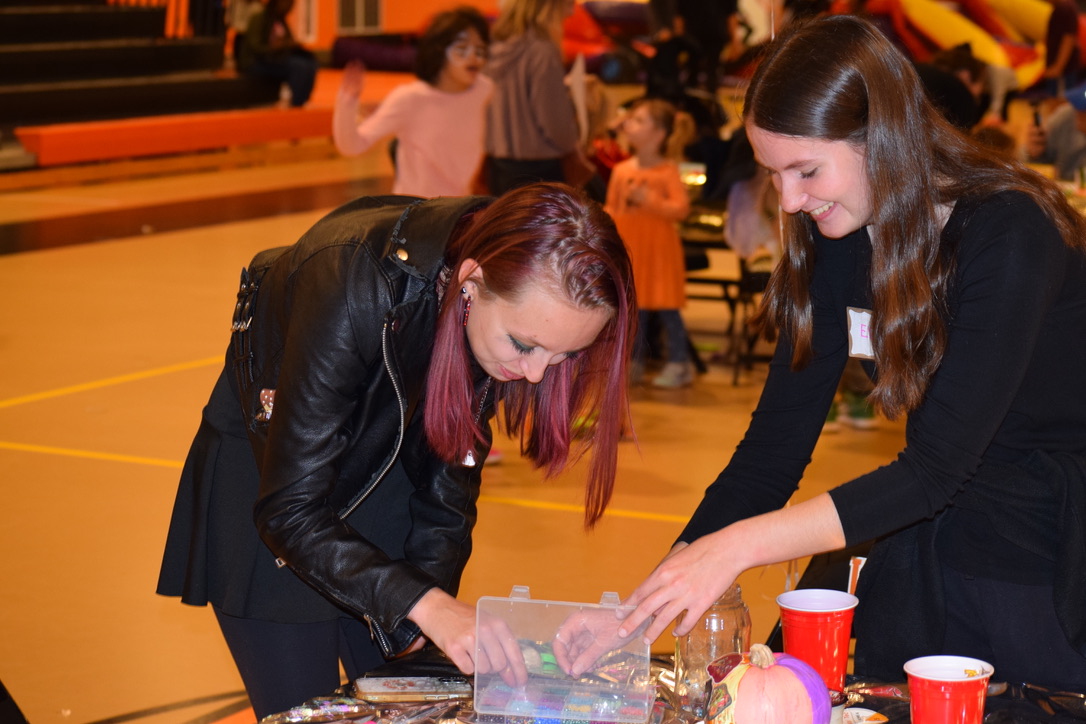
x=958 y=278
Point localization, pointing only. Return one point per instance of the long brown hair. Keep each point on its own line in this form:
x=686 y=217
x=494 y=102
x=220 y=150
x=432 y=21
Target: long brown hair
x=518 y=17
x=838 y=78
x=553 y=235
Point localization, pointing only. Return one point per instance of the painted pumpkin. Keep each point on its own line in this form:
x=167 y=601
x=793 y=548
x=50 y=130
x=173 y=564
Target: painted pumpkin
x=766 y=688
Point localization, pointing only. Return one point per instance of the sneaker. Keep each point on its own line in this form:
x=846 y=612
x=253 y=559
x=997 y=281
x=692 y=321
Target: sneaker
x=495 y=456
x=831 y=425
x=674 y=375
x=857 y=412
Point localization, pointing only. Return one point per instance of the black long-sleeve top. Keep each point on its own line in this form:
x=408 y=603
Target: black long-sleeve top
x=1012 y=380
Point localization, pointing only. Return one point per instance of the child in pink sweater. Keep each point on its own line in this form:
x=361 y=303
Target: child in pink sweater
x=438 y=120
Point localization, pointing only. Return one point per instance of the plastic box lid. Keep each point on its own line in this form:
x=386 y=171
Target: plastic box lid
x=617 y=688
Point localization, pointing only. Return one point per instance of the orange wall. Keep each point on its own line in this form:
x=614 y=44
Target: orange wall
x=399 y=16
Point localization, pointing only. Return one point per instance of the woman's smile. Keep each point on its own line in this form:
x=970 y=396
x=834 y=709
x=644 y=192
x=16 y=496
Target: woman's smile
x=820 y=211
x=827 y=180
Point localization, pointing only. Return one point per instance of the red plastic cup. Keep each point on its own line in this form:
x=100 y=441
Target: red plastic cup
x=816 y=624
x=947 y=689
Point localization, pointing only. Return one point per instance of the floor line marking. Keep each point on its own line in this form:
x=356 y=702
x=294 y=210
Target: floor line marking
x=177 y=465
x=568 y=508
x=110 y=381
x=91 y=455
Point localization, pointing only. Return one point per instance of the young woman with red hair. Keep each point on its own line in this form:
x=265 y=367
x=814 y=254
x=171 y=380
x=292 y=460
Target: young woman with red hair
x=352 y=419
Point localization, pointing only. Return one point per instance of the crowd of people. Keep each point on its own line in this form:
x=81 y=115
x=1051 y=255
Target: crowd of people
x=326 y=505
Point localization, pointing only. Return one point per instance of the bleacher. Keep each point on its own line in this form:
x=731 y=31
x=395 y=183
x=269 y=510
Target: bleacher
x=63 y=61
x=83 y=151
x=91 y=90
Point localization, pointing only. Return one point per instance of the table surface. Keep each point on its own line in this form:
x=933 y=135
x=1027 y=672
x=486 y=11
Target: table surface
x=1014 y=704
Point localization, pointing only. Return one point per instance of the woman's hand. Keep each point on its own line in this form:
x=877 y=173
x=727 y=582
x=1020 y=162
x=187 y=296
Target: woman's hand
x=585 y=636
x=692 y=577
x=354 y=76
x=345 y=117
x=682 y=586
x=451 y=626
x=499 y=652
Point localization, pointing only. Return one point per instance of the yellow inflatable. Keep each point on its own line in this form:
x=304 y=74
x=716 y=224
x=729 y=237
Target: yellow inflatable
x=947 y=28
x=1029 y=17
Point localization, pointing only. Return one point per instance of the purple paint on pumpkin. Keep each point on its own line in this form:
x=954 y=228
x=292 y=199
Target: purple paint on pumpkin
x=812 y=682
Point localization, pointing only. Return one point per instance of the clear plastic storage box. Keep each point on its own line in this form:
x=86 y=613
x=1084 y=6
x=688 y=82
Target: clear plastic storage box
x=616 y=688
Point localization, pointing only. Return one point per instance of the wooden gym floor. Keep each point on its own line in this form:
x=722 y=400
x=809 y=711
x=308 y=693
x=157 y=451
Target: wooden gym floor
x=116 y=299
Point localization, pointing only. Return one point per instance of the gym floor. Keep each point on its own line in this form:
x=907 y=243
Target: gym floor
x=118 y=298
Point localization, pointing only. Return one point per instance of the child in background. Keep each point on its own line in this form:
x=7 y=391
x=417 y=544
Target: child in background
x=647 y=199
x=438 y=120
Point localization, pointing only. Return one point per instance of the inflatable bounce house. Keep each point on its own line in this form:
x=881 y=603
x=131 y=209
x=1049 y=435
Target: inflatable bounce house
x=1008 y=33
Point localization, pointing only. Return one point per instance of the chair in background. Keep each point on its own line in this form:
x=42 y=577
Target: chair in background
x=748 y=290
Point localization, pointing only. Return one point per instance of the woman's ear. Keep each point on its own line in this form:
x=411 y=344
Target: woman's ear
x=470 y=271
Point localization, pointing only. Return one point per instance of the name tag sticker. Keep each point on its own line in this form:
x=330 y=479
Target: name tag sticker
x=859 y=333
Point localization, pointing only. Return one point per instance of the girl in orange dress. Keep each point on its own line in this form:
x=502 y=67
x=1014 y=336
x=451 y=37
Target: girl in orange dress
x=647 y=199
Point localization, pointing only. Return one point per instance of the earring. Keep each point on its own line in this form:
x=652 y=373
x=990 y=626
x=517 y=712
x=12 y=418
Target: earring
x=467 y=310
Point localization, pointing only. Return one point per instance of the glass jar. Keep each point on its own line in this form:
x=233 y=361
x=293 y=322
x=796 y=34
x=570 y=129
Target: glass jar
x=724 y=629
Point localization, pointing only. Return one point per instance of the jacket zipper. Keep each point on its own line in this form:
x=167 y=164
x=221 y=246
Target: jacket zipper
x=399 y=439
x=375 y=629
x=346 y=513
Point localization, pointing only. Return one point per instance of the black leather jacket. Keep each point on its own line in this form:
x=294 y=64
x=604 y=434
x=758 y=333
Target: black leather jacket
x=341 y=325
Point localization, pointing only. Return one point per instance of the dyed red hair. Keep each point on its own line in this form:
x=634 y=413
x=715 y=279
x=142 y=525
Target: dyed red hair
x=545 y=234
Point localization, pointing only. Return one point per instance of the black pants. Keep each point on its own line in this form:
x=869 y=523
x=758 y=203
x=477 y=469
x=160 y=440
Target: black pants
x=285 y=664
x=1014 y=628
x=298 y=69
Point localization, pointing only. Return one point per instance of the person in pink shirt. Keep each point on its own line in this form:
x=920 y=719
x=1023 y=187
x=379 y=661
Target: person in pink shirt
x=438 y=120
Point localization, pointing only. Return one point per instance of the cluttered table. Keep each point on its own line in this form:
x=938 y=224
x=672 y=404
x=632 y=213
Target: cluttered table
x=634 y=688
x=618 y=680
x=868 y=701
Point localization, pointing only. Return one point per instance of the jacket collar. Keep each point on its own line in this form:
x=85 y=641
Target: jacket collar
x=421 y=235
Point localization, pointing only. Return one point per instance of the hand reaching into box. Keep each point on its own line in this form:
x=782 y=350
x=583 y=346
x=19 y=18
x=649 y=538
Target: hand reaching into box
x=586 y=636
